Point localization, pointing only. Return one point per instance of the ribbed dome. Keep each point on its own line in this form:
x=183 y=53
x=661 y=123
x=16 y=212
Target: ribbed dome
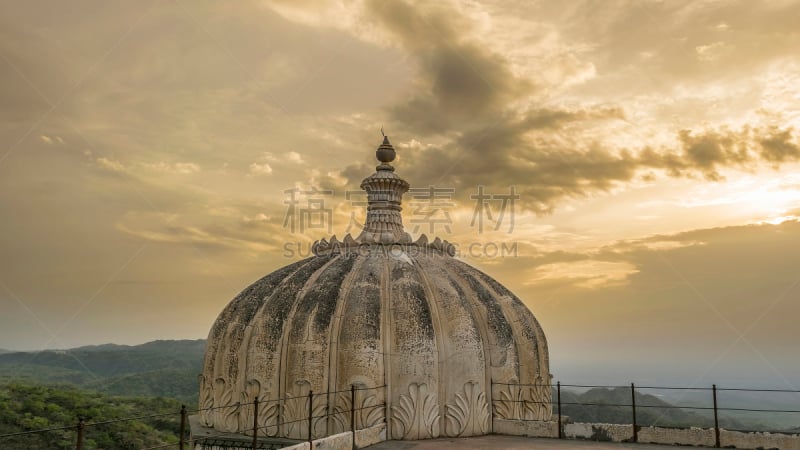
x=376 y=311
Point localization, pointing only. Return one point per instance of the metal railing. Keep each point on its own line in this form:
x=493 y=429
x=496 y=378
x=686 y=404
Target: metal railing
x=636 y=427
x=82 y=426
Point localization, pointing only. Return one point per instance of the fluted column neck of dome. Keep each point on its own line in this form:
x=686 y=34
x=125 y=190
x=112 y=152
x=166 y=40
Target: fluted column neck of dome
x=385 y=191
x=384 y=224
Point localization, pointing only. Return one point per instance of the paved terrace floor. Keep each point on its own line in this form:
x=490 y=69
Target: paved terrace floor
x=497 y=442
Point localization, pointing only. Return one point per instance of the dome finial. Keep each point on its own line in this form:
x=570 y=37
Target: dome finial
x=385 y=152
x=384 y=224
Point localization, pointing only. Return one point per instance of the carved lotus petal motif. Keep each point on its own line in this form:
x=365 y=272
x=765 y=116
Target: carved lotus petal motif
x=507 y=406
x=267 y=414
x=206 y=401
x=295 y=408
x=470 y=413
x=252 y=389
x=369 y=413
x=341 y=419
x=416 y=416
x=225 y=417
x=537 y=401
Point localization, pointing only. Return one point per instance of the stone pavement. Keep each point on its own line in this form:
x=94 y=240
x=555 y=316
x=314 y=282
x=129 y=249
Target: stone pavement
x=498 y=442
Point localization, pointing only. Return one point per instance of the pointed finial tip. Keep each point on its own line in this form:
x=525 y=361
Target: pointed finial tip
x=385 y=152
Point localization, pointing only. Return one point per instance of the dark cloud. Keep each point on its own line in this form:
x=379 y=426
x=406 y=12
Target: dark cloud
x=709 y=150
x=517 y=150
x=527 y=151
x=468 y=95
x=459 y=82
x=535 y=153
x=778 y=146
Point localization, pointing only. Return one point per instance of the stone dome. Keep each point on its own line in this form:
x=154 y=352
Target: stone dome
x=446 y=343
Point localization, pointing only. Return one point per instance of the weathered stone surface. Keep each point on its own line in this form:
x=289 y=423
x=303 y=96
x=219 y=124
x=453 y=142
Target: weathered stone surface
x=300 y=446
x=599 y=431
x=427 y=331
x=697 y=437
x=677 y=436
x=533 y=428
x=341 y=441
x=759 y=440
x=370 y=436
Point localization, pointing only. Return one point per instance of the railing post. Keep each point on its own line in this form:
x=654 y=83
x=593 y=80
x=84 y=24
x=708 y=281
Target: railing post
x=182 y=434
x=491 y=405
x=353 y=408
x=633 y=406
x=79 y=443
x=255 y=423
x=310 y=414
x=558 y=397
x=353 y=413
x=716 y=419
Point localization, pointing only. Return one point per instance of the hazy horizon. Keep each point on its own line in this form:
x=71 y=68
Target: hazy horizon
x=583 y=372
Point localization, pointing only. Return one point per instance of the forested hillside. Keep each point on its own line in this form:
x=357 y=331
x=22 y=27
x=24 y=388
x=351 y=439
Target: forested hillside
x=26 y=407
x=158 y=368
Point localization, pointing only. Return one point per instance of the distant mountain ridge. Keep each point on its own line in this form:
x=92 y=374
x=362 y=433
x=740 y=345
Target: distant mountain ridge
x=166 y=368
x=157 y=345
x=597 y=405
x=176 y=345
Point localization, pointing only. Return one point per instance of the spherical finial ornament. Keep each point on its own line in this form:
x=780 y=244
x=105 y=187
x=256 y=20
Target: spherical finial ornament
x=385 y=152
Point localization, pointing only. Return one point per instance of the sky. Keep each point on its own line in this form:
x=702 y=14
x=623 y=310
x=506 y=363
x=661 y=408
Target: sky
x=149 y=152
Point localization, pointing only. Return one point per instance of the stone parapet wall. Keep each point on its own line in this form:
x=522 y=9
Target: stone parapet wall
x=344 y=441
x=532 y=428
x=370 y=436
x=300 y=446
x=697 y=437
x=340 y=441
x=756 y=440
x=599 y=432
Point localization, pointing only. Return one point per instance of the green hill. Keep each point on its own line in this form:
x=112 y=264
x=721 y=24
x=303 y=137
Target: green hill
x=26 y=407
x=158 y=368
x=105 y=361
x=180 y=384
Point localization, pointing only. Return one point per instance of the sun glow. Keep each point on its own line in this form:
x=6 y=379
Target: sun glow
x=764 y=197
